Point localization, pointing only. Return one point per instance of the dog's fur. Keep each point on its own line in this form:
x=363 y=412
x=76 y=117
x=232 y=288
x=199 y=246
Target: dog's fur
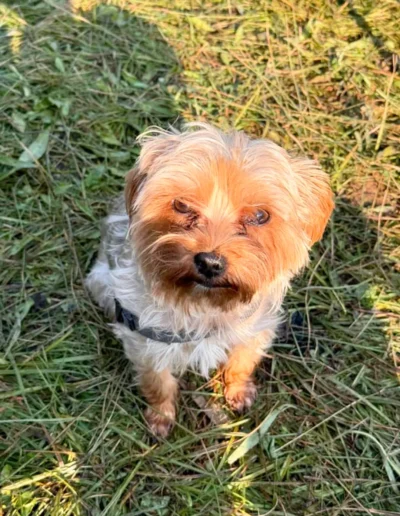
x=146 y=259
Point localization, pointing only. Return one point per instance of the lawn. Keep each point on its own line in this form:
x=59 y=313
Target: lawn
x=79 y=80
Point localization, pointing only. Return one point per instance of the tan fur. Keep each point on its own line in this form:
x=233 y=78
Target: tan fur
x=240 y=390
x=223 y=180
x=133 y=182
x=160 y=391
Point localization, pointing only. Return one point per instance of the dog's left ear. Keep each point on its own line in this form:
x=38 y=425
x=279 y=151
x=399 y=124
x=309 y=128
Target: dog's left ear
x=316 y=197
x=155 y=146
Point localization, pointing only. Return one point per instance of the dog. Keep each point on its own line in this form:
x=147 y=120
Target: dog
x=197 y=256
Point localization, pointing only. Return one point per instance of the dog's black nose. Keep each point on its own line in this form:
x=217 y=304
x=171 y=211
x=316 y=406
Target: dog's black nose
x=210 y=265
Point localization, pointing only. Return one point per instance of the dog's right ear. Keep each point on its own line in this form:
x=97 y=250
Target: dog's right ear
x=155 y=146
x=133 y=183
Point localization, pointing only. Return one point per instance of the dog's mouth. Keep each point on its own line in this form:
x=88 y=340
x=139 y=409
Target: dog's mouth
x=208 y=284
x=211 y=285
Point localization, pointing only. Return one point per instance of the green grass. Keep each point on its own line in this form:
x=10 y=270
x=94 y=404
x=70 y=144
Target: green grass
x=317 y=77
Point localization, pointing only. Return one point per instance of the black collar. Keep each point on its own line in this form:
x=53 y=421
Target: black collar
x=131 y=321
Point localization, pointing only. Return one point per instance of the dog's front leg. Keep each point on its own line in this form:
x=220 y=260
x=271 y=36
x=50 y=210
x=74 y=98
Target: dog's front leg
x=240 y=390
x=160 y=391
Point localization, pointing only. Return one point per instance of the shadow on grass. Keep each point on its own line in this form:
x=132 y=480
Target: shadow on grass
x=74 y=96
x=73 y=440
x=363 y=24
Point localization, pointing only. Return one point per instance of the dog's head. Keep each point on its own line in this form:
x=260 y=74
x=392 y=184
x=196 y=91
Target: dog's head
x=216 y=218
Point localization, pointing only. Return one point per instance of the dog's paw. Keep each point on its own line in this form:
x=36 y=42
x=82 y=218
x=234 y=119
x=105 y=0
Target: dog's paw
x=240 y=396
x=160 y=420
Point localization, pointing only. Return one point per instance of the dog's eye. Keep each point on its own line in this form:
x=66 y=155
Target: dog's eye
x=259 y=218
x=262 y=217
x=181 y=207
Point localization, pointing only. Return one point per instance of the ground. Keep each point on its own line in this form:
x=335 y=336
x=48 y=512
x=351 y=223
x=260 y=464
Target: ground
x=79 y=80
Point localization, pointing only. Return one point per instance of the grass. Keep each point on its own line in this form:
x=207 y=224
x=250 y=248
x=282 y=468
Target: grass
x=78 y=82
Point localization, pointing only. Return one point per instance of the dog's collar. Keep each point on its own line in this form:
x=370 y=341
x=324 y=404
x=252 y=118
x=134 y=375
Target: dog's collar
x=131 y=321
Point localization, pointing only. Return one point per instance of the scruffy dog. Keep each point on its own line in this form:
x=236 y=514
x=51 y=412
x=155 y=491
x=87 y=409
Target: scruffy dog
x=194 y=265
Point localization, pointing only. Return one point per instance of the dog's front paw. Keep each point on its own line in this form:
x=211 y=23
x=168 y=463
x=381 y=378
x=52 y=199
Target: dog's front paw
x=161 y=419
x=240 y=396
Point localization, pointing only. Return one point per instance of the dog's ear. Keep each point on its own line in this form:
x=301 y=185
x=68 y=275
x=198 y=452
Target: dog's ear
x=133 y=182
x=155 y=146
x=316 y=197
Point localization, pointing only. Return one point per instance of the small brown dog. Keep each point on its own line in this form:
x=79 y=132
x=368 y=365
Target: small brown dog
x=193 y=267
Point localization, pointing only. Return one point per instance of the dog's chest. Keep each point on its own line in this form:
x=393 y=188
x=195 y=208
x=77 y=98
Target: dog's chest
x=213 y=338
x=203 y=356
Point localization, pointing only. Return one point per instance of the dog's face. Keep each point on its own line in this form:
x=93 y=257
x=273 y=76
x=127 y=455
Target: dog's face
x=216 y=218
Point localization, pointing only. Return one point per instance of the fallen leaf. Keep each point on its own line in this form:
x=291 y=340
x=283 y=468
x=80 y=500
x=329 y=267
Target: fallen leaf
x=215 y=414
x=18 y=122
x=36 y=149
